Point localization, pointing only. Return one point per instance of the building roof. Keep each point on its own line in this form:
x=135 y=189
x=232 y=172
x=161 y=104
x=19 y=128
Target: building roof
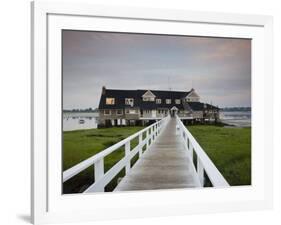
x=120 y=95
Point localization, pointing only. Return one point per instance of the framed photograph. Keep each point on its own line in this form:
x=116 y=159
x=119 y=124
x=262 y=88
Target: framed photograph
x=142 y=112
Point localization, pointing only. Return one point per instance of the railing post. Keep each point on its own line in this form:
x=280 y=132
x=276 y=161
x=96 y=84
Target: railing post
x=147 y=139
x=191 y=152
x=140 y=145
x=99 y=172
x=127 y=154
x=200 y=172
x=186 y=141
x=157 y=128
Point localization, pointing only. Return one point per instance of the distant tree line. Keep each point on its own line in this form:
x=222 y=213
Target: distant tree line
x=232 y=109
x=81 y=110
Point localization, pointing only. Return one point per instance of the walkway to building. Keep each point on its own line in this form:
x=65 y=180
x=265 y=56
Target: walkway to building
x=165 y=165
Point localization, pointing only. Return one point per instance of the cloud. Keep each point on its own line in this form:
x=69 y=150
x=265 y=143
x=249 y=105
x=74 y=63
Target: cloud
x=218 y=68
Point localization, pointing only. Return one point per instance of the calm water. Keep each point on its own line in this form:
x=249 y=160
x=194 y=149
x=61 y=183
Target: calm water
x=240 y=119
x=72 y=120
x=78 y=121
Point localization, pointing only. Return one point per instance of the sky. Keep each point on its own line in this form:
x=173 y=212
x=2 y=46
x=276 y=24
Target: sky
x=219 y=69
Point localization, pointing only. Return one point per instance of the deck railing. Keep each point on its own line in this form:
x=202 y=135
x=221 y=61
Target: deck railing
x=204 y=163
x=102 y=178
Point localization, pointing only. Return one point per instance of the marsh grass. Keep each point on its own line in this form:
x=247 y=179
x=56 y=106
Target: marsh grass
x=229 y=148
x=82 y=144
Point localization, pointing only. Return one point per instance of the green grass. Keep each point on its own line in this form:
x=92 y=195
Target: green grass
x=229 y=149
x=82 y=144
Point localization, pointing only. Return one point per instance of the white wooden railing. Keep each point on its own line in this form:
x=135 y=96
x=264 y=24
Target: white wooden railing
x=101 y=178
x=204 y=163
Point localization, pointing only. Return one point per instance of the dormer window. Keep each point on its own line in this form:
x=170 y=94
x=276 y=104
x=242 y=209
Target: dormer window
x=192 y=96
x=129 y=101
x=178 y=101
x=158 y=101
x=168 y=101
x=148 y=96
x=148 y=99
x=191 y=99
x=110 y=101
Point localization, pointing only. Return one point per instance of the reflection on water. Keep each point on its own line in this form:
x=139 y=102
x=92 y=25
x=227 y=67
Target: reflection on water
x=236 y=118
x=79 y=121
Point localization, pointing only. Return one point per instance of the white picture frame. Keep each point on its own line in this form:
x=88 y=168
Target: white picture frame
x=48 y=206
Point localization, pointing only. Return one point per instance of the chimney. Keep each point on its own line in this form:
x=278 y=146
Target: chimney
x=103 y=90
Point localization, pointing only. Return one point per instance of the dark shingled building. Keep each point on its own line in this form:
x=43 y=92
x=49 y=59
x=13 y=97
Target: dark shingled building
x=130 y=107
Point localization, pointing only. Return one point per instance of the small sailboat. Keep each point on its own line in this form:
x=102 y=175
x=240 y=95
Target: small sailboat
x=81 y=121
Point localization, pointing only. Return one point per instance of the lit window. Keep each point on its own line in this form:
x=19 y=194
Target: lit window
x=178 y=101
x=158 y=101
x=168 y=101
x=129 y=101
x=110 y=101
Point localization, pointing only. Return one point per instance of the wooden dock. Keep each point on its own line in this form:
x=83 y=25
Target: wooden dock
x=165 y=165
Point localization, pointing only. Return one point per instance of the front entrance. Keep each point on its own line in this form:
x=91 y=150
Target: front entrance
x=174 y=111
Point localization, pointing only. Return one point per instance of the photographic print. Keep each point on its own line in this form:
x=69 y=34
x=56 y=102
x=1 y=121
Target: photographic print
x=154 y=111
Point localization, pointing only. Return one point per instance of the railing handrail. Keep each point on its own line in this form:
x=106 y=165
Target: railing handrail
x=71 y=172
x=212 y=171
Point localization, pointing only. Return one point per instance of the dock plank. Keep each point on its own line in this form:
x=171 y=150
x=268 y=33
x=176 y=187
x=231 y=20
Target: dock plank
x=165 y=165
